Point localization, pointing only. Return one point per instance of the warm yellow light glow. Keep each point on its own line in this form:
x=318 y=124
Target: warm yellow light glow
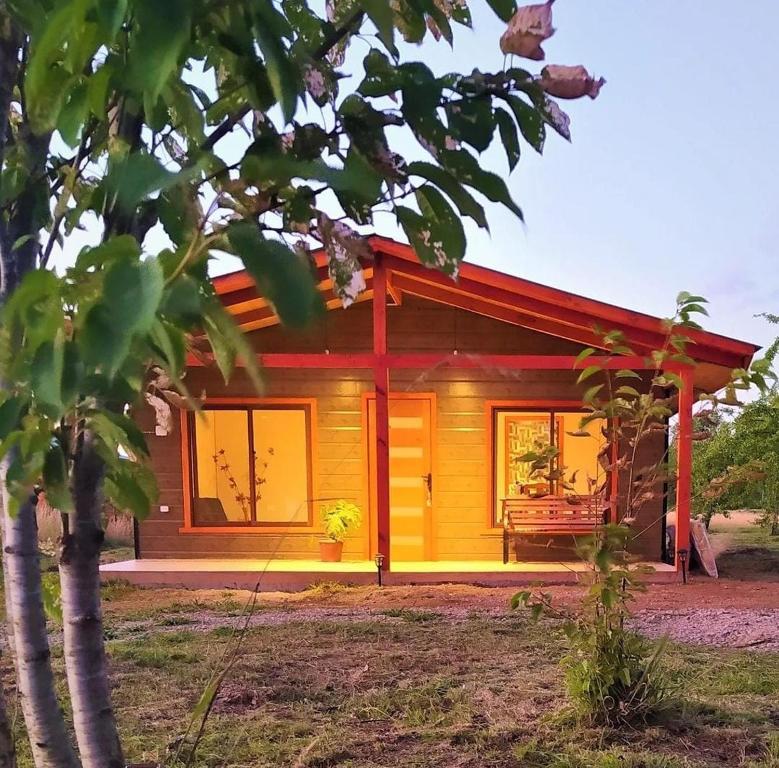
x=221 y=443
x=281 y=466
x=234 y=486
x=515 y=434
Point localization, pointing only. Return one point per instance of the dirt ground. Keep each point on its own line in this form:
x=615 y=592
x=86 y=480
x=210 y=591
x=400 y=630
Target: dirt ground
x=739 y=610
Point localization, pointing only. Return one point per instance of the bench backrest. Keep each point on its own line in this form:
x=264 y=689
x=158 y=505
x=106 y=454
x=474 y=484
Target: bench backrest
x=553 y=512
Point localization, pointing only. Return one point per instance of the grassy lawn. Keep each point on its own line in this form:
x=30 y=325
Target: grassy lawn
x=318 y=685
x=415 y=688
x=747 y=551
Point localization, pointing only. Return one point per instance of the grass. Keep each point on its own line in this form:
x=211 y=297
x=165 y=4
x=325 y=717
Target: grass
x=751 y=552
x=405 y=686
x=421 y=691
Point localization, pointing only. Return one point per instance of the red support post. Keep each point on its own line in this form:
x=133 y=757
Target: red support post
x=381 y=388
x=684 y=469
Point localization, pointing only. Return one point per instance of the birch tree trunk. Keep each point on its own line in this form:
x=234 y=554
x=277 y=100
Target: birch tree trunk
x=49 y=739
x=85 y=658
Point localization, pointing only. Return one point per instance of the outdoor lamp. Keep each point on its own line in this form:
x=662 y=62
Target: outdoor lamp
x=378 y=558
x=683 y=560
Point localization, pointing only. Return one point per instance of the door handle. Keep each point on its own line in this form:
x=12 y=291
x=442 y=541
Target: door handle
x=428 y=480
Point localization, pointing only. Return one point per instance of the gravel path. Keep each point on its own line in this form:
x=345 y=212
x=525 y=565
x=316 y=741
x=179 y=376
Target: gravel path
x=756 y=629
x=722 y=627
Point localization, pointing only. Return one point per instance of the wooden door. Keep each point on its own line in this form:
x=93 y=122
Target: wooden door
x=411 y=478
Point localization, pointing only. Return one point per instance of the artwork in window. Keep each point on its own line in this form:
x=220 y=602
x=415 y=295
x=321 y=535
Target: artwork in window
x=518 y=433
x=524 y=433
x=252 y=466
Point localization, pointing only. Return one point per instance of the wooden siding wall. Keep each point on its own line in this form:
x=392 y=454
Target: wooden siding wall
x=462 y=481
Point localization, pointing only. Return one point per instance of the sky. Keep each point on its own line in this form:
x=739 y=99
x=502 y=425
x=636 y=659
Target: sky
x=671 y=181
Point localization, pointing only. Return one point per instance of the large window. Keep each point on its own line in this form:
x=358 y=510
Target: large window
x=251 y=466
x=519 y=432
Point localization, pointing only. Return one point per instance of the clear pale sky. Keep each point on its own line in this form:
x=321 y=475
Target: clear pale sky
x=671 y=181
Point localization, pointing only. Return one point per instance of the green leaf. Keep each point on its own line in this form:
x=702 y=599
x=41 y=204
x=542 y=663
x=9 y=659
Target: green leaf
x=51 y=596
x=110 y=15
x=283 y=75
x=131 y=488
x=10 y=413
x=135 y=177
x=590 y=394
x=466 y=168
x=46 y=375
x=171 y=343
x=583 y=355
x=508 y=135
x=283 y=278
x=530 y=121
x=471 y=120
x=44 y=84
x=121 y=246
x=380 y=13
x=228 y=342
x=434 y=244
x=162 y=31
x=381 y=77
x=55 y=478
x=73 y=114
x=181 y=302
x=97 y=89
x=464 y=201
x=590 y=370
x=132 y=291
x=504 y=9
x=132 y=435
x=448 y=235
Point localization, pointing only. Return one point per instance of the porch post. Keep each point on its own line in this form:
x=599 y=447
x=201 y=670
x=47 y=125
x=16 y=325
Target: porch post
x=684 y=467
x=381 y=389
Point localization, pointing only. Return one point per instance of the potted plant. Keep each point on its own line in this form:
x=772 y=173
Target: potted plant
x=338 y=519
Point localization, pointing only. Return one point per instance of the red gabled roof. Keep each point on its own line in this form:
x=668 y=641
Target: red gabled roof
x=501 y=296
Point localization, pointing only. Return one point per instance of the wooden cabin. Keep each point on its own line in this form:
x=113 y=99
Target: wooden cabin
x=415 y=403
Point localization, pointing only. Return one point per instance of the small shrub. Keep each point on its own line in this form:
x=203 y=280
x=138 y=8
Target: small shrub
x=613 y=676
x=339 y=518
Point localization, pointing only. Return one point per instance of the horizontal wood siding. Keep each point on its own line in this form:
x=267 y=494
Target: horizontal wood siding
x=338 y=465
x=462 y=478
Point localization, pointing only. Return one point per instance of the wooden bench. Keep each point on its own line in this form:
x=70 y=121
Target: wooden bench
x=550 y=515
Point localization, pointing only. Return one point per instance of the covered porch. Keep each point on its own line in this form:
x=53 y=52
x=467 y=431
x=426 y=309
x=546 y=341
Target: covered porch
x=463 y=364
x=292 y=575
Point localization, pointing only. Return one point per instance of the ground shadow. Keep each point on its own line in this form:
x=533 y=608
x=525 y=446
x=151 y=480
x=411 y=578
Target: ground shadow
x=749 y=563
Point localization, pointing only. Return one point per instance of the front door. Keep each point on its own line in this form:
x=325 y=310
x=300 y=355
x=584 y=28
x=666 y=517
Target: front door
x=411 y=479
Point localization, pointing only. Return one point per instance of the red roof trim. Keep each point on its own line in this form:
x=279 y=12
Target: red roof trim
x=561 y=308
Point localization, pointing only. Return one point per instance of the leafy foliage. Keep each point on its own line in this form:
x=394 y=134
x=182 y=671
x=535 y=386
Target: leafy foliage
x=339 y=518
x=614 y=676
x=176 y=133
x=736 y=461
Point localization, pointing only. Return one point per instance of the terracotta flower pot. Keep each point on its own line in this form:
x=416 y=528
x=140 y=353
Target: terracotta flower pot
x=330 y=551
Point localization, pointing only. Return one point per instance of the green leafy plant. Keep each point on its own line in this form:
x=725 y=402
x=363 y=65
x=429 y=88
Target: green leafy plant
x=612 y=675
x=140 y=140
x=339 y=518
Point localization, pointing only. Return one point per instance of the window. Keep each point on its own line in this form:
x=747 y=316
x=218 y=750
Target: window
x=251 y=466
x=517 y=432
